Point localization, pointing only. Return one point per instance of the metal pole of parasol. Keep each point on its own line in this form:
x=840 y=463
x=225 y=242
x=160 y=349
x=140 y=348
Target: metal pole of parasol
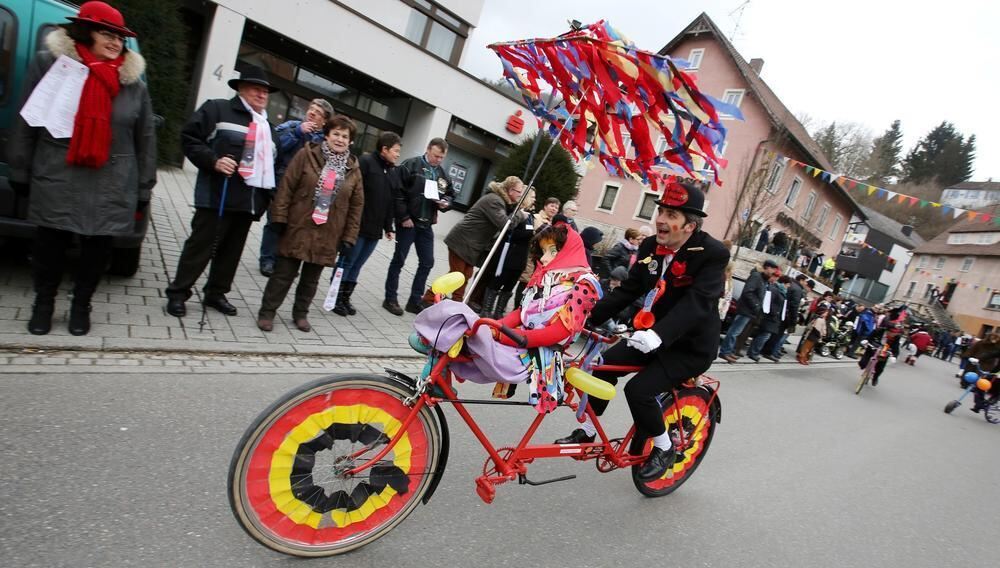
x=510 y=218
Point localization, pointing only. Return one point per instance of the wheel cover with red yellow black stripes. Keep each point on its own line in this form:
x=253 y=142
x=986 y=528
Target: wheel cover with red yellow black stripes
x=694 y=414
x=282 y=488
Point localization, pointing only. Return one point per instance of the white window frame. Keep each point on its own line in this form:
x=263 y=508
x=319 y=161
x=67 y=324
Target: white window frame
x=909 y=291
x=739 y=99
x=604 y=192
x=774 y=175
x=695 y=58
x=823 y=214
x=967 y=263
x=956 y=239
x=661 y=145
x=810 y=206
x=940 y=263
x=923 y=261
x=836 y=226
x=793 y=193
x=990 y=304
x=638 y=207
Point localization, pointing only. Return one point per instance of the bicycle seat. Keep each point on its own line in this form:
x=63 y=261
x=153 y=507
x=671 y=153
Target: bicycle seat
x=590 y=384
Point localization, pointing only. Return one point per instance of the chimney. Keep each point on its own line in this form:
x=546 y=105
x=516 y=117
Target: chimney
x=757 y=64
x=907 y=230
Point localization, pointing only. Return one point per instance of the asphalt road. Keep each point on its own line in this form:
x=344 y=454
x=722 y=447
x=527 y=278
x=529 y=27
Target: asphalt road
x=130 y=470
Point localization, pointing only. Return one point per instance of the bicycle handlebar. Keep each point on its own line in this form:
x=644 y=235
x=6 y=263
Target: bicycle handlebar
x=514 y=336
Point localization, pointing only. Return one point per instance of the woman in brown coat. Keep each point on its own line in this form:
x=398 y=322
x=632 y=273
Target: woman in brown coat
x=317 y=212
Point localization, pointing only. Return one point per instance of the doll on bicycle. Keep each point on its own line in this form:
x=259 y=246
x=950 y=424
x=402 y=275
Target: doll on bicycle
x=560 y=294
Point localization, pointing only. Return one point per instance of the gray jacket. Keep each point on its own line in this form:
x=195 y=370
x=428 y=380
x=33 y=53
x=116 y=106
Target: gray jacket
x=473 y=236
x=82 y=200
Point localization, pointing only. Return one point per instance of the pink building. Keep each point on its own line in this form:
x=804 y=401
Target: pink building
x=757 y=185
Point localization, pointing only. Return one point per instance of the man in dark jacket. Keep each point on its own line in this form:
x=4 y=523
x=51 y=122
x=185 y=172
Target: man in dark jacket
x=378 y=170
x=773 y=314
x=748 y=308
x=217 y=141
x=416 y=214
x=292 y=137
x=683 y=337
x=793 y=295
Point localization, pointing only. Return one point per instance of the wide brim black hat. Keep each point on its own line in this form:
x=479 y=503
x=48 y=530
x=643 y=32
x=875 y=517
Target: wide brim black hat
x=252 y=74
x=683 y=196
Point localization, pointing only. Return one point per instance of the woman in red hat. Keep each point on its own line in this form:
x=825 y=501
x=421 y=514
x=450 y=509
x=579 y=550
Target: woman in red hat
x=90 y=186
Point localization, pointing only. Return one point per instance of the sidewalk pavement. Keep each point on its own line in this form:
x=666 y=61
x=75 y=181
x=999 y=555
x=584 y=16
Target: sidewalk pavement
x=129 y=313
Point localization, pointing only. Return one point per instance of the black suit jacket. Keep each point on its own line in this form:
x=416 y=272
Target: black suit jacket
x=687 y=315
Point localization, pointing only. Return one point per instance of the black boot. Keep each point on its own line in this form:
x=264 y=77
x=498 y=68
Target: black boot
x=79 y=318
x=41 y=316
x=340 y=308
x=501 y=308
x=489 y=301
x=347 y=299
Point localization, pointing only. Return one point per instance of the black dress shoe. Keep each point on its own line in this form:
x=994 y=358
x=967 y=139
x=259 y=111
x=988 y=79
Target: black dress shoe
x=773 y=358
x=176 y=308
x=267 y=268
x=577 y=437
x=222 y=304
x=656 y=464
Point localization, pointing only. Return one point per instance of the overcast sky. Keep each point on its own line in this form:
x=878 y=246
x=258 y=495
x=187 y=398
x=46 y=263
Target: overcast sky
x=867 y=61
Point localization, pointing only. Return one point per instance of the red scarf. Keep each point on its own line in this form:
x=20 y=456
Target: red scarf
x=571 y=255
x=90 y=145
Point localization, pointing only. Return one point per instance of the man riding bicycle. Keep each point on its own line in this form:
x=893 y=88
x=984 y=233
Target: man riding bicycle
x=680 y=275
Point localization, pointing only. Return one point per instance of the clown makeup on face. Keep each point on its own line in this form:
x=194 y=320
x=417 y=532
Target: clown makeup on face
x=549 y=251
x=672 y=229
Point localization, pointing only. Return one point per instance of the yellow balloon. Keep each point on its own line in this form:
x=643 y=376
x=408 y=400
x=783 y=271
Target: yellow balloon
x=448 y=283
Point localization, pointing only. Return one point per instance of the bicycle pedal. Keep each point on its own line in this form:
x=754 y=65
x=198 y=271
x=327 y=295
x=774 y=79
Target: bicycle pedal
x=523 y=480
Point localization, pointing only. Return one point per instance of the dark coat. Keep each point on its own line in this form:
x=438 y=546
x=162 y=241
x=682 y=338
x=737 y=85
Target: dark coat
x=218 y=129
x=618 y=255
x=794 y=296
x=771 y=322
x=295 y=201
x=381 y=183
x=687 y=315
x=81 y=200
x=410 y=201
x=289 y=141
x=752 y=296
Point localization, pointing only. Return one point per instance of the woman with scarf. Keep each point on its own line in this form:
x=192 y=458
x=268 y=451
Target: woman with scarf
x=623 y=253
x=90 y=186
x=317 y=212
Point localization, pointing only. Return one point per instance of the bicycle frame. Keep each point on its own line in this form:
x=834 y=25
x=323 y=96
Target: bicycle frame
x=612 y=453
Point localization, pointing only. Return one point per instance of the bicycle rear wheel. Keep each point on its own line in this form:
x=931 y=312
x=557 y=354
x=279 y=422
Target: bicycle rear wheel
x=288 y=486
x=698 y=420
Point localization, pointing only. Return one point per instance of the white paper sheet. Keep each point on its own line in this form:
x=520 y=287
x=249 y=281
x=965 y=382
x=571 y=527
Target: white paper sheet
x=55 y=99
x=431 y=190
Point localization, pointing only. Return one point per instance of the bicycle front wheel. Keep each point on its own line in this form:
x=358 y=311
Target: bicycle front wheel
x=691 y=412
x=866 y=376
x=288 y=482
x=992 y=412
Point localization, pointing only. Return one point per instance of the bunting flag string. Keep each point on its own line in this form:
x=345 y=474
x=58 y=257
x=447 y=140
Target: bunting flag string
x=615 y=96
x=922 y=272
x=886 y=194
x=874 y=250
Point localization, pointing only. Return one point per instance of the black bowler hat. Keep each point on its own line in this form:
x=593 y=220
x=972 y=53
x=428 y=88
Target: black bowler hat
x=252 y=74
x=684 y=196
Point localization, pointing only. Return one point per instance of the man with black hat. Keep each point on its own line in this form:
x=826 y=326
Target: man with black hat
x=680 y=271
x=231 y=143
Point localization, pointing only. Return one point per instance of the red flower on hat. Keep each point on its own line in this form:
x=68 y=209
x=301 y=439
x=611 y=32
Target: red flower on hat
x=674 y=195
x=678 y=268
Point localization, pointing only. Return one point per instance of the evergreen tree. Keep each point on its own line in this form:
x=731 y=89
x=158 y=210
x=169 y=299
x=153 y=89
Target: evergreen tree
x=942 y=156
x=558 y=177
x=163 y=43
x=885 y=156
x=829 y=142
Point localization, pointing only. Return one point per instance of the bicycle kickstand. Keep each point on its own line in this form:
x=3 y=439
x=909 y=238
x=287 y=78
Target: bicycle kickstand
x=523 y=480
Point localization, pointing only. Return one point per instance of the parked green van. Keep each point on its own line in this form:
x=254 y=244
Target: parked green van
x=23 y=27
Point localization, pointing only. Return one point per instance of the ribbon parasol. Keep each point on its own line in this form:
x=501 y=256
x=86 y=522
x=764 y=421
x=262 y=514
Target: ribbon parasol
x=614 y=96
